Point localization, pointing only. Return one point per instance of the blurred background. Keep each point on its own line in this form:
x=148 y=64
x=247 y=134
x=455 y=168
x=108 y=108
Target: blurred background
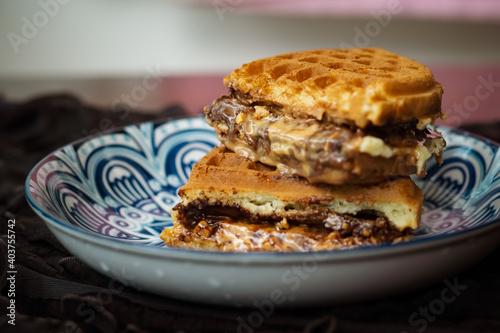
x=151 y=53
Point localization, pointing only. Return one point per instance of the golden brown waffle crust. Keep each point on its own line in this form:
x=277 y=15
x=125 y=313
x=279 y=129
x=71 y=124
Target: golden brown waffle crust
x=228 y=178
x=360 y=86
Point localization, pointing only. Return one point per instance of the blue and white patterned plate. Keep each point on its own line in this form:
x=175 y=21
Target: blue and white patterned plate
x=107 y=198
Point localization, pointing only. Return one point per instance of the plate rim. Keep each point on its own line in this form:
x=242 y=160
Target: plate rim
x=244 y=258
x=263 y=256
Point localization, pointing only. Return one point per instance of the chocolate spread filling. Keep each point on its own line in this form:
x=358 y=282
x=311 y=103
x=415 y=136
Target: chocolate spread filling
x=398 y=134
x=329 y=146
x=364 y=225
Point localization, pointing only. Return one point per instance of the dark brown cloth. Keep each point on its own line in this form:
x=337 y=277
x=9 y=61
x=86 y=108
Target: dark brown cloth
x=55 y=292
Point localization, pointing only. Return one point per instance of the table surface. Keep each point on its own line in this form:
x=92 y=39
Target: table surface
x=55 y=292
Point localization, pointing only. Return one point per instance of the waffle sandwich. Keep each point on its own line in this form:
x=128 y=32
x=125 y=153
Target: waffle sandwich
x=234 y=204
x=317 y=149
x=332 y=116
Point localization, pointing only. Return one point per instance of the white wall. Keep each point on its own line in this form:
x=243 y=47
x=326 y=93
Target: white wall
x=106 y=38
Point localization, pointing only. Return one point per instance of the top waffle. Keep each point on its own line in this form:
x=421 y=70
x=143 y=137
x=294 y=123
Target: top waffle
x=355 y=86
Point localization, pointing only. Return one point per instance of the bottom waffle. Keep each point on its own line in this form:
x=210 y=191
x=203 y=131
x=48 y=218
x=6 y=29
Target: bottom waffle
x=233 y=204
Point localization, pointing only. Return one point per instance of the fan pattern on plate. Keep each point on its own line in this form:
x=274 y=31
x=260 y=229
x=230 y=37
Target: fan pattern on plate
x=465 y=190
x=123 y=184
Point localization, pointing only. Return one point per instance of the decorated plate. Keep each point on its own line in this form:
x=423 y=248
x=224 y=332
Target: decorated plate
x=107 y=198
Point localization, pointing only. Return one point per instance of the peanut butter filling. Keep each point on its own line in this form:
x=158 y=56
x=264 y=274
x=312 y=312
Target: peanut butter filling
x=321 y=151
x=233 y=229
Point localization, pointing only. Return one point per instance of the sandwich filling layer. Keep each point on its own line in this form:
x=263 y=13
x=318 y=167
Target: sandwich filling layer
x=320 y=151
x=232 y=228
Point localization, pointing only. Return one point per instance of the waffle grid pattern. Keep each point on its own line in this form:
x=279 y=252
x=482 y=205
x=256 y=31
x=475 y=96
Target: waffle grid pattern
x=360 y=85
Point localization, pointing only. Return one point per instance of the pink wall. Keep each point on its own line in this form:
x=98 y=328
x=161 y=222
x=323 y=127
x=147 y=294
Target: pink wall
x=471 y=93
x=436 y=9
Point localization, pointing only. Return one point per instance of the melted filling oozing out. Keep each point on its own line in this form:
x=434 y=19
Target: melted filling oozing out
x=365 y=224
